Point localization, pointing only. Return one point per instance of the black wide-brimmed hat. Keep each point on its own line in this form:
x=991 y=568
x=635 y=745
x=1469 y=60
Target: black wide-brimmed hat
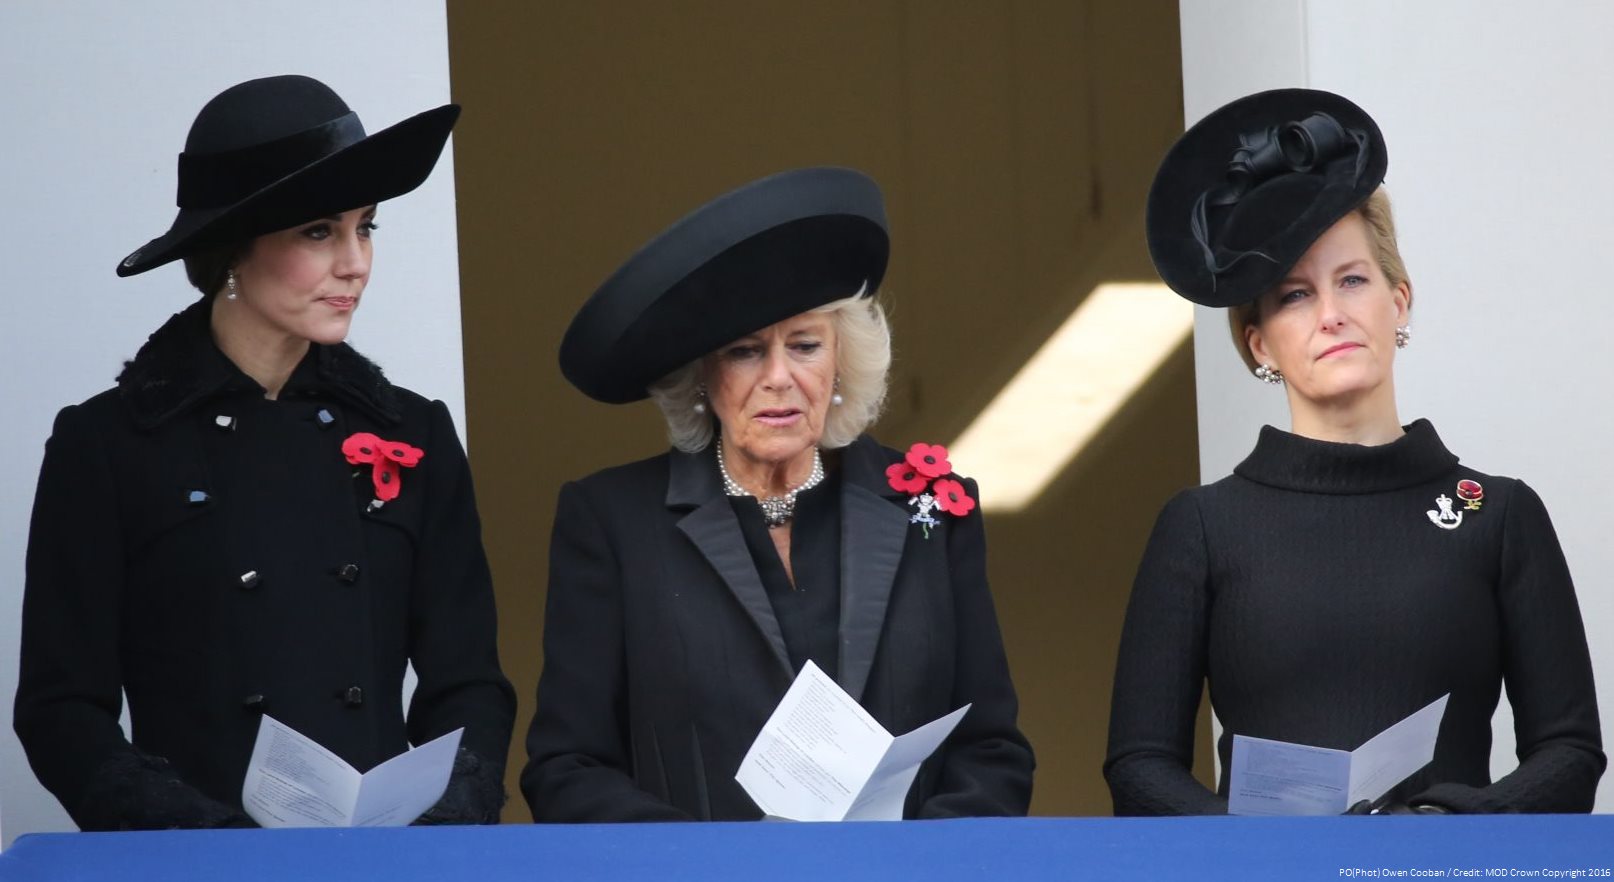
x=758 y=255
x=271 y=153
x=1244 y=193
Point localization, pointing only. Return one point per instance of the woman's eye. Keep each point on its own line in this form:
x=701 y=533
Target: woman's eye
x=318 y=232
x=1291 y=296
x=807 y=347
x=740 y=352
x=367 y=228
x=1353 y=281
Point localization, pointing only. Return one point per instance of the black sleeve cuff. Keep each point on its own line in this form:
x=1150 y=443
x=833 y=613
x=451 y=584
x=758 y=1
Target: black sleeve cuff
x=475 y=793
x=137 y=791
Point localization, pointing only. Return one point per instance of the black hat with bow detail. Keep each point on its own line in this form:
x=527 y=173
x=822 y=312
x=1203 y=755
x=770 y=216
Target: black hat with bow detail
x=1244 y=193
x=752 y=257
x=271 y=153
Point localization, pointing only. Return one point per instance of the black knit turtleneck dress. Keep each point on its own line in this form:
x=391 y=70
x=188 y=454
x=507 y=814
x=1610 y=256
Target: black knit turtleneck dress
x=1324 y=593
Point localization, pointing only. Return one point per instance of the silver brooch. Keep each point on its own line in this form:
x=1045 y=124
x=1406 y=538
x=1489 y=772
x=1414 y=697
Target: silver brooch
x=923 y=517
x=1445 y=518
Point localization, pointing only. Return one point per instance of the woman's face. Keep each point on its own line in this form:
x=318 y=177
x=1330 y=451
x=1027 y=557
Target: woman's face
x=1329 y=326
x=770 y=390
x=305 y=282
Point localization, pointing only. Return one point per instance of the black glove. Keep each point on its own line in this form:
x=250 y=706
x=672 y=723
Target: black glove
x=474 y=795
x=139 y=791
x=1422 y=808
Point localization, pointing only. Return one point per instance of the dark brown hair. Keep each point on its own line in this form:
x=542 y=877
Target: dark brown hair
x=208 y=268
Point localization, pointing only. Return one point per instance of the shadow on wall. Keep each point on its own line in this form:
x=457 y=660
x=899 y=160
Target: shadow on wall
x=1062 y=572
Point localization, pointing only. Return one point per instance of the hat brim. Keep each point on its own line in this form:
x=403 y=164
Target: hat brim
x=389 y=163
x=756 y=256
x=1289 y=222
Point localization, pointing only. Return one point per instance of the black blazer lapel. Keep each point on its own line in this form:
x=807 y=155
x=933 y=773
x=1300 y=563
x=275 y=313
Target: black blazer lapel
x=873 y=535
x=715 y=530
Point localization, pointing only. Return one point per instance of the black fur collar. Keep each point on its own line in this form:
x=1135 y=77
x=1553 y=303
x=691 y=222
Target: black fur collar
x=179 y=367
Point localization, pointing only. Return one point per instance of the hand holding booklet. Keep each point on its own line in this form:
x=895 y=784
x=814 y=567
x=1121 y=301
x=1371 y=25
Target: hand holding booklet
x=294 y=782
x=821 y=757
x=1279 y=778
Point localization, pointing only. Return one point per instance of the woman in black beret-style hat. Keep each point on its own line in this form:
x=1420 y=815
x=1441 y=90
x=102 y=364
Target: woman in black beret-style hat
x=687 y=591
x=1350 y=571
x=254 y=521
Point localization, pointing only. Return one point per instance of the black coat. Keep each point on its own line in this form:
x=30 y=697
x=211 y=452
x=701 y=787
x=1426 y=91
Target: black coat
x=212 y=554
x=663 y=657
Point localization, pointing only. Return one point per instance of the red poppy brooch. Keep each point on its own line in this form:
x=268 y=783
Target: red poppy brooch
x=1447 y=518
x=922 y=475
x=386 y=459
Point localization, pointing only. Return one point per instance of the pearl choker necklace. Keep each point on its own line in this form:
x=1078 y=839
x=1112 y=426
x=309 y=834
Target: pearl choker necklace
x=776 y=510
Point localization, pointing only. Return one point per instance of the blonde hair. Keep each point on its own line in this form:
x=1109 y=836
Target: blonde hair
x=862 y=364
x=1381 y=239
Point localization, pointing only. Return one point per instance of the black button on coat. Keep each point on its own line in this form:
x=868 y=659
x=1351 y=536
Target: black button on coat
x=134 y=586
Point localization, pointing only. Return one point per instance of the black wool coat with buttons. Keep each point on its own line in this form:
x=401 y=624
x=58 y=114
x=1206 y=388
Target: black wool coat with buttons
x=212 y=554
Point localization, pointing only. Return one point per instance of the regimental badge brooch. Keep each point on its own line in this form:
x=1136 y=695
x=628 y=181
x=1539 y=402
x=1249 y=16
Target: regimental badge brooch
x=1445 y=517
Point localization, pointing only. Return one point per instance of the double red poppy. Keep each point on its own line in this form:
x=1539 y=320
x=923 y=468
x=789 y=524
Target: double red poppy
x=386 y=459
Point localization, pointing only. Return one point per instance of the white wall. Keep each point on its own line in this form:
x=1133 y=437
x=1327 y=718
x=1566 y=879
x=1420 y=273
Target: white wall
x=97 y=99
x=1497 y=118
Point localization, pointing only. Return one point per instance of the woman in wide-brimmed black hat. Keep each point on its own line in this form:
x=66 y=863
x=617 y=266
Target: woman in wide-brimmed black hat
x=1350 y=572
x=686 y=591
x=254 y=520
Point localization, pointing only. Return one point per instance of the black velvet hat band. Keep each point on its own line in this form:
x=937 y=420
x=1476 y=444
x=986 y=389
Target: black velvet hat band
x=214 y=180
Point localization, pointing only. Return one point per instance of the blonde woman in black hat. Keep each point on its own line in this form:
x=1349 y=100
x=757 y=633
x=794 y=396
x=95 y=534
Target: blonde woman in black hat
x=254 y=521
x=1350 y=571
x=686 y=591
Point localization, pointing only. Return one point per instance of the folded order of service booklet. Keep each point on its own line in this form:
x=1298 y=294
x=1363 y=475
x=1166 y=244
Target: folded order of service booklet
x=1279 y=778
x=292 y=781
x=821 y=757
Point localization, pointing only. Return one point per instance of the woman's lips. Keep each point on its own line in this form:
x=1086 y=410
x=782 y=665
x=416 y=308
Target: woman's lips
x=778 y=419
x=341 y=304
x=1339 y=349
